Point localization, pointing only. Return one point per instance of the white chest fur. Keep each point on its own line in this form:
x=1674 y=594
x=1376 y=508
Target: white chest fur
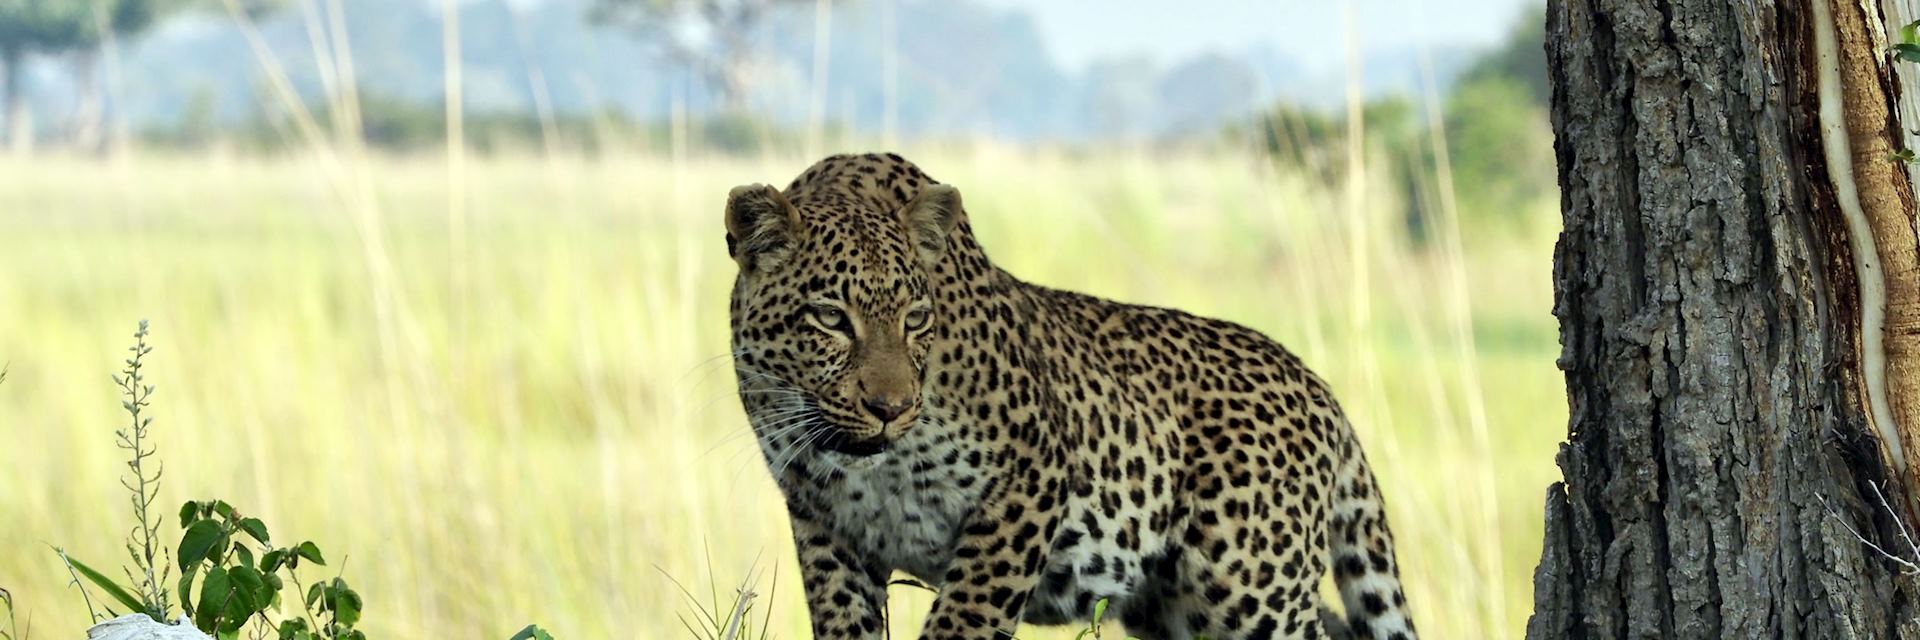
x=905 y=507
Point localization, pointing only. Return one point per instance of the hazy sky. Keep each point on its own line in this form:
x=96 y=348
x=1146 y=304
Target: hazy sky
x=1311 y=31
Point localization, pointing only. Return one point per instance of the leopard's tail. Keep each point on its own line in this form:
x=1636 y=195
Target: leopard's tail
x=1364 y=565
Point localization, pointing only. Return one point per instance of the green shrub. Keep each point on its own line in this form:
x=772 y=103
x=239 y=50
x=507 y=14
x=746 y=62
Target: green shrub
x=231 y=574
x=1502 y=150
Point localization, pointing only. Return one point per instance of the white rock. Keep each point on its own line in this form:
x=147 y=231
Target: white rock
x=137 y=626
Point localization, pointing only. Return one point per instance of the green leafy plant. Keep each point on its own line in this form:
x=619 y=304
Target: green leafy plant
x=231 y=574
x=143 y=544
x=149 y=570
x=1908 y=49
x=229 y=560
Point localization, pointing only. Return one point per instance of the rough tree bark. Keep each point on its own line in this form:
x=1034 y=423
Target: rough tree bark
x=1739 y=316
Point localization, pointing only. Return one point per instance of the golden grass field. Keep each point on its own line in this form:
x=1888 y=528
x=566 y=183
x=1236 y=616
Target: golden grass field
x=515 y=407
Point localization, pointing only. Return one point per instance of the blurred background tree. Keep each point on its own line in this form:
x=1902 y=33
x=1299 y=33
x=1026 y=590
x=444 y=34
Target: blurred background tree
x=102 y=24
x=713 y=38
x=79 y=31
x=735 y=76
x=32 y=26
x=1496 y=121
x=1493 y=113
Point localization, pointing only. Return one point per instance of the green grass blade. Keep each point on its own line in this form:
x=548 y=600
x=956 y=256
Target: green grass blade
x=119 y=594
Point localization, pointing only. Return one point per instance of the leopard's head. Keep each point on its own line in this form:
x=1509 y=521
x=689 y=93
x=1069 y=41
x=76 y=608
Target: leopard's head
x=832 y=315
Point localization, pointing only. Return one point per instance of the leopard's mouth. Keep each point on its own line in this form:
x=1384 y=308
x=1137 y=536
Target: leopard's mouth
x=838 y=441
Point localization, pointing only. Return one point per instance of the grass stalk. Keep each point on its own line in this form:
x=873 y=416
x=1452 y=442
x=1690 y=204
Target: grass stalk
x=1459 y=309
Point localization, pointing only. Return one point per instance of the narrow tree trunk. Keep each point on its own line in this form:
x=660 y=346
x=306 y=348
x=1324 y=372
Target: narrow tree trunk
x=1733 y=427
x=87 y=131
x=13 y=106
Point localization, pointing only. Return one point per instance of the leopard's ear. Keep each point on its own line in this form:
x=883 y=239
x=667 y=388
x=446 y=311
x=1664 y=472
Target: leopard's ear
x=763 y=228
x=931 y=218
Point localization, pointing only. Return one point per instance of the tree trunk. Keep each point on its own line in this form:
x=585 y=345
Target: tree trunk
x=13 y=105
x=1735 y=287
x=86 y=132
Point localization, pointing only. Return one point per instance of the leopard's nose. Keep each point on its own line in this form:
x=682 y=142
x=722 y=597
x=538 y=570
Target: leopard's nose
x=888 y=408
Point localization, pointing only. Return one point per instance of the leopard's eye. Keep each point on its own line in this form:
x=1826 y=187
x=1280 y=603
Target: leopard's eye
x=832 y=319
x=917 y=319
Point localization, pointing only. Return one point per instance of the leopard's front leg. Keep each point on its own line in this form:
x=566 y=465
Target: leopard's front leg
x=846 y=596
x=1000 y=556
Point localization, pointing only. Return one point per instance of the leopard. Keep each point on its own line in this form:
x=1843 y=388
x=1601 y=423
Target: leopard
x=1032 y=454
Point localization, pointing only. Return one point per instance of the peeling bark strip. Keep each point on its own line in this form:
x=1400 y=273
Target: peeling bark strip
x=1896 y=237
x=1857 y=90
x=1721 y=444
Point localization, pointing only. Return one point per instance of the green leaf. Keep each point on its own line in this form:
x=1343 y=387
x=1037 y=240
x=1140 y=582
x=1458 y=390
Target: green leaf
x=252 y=590
x=532 y=632
x=246 y=555
x=215 y=591
x=189 y=512
x=254 y=527
x=118 y=593
x=197 y=541
x=186 y=588
x=225 y=510
x=314 y=592
x=1911 y=32
x=221 y=547
x=346 y=604
x=226 y=599
x=311 y=551
x=271 y=562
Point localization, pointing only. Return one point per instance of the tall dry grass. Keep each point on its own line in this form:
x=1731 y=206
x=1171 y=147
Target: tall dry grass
x=536 y=422
x=500 y=384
